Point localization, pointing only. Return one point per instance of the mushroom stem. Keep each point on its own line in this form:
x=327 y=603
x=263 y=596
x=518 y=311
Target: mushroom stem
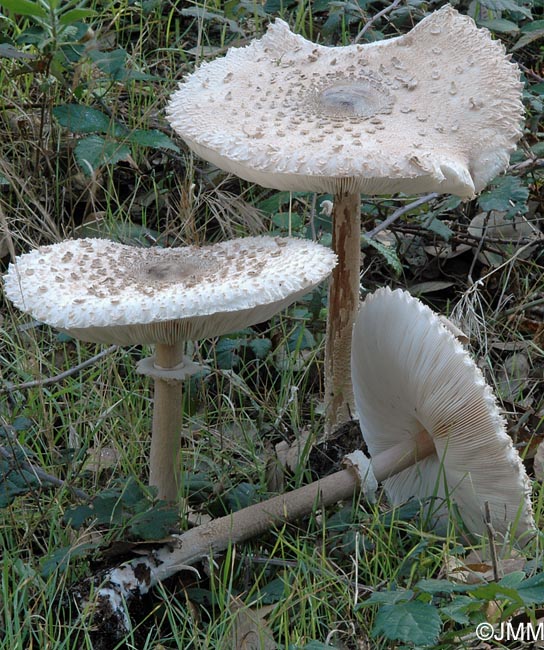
x=401 y=456
x=343 y=303
x=167 y=417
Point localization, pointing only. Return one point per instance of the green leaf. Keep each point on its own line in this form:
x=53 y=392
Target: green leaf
x=535 y=26
x=15 y=480
x=531 y=590
x=506 y=5
x=226 y=352
x=434 y=586
x=8 y=51
x=273 y=203
x=78 y=515
x=411 y=622
x=437 y=226
x=75 y=15
x=513 y=579
x=278 y=200
x=507 y=194
x=112 y=63
x=241 y=496
x=500 y=25
x=60 y=558
x=95 y=152
x=84 y=119
x=405 y=512
x=25 y=8
x=389 y=253
x=457 y=609
x=260 y=347
x=128 y=507
x=388 y=597
x=274 y=591
x=154 y=523
x=529 y=37
x=198 y=485
x=301 y=339
x=152 y=138
x=22 y=423
x=278 y=6
x=495 y=591
x=124 y=232
x=286 y=220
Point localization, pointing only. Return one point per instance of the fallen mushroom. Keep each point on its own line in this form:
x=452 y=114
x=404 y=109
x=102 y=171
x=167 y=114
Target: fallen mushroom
x=105 y=292
x=426 y=388
x=435 y=110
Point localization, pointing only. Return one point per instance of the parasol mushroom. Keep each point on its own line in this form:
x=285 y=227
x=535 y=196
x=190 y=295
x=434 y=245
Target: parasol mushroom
x=425 y=388
x=106 y=292
x=435 y=110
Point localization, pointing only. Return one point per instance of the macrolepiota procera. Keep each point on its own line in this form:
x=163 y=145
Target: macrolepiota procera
x=426 y=392
x=435 y=110
x=105 y=292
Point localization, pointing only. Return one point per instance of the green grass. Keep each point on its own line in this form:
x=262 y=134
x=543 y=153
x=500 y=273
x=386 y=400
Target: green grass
x=311 y=576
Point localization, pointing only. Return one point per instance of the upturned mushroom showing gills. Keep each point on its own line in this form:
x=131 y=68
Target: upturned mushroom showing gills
x=435 y=110
x=106 y=292
x=415 y=386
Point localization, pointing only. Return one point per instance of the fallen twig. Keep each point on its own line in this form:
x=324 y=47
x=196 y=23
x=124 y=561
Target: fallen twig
x=41 y=474
x=398 y=213
x=63 y=375
x=374 y=18
x=526 y=165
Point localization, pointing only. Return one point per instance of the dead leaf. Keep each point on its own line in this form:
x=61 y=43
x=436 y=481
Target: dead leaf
x=290 y=455
x=100 y=458
x=429 y=287
x=444 y=251
x=4 y=248
x=250 y=630
x=513 y=377
x=458 y=333
x=513 y=230
x=473 y=569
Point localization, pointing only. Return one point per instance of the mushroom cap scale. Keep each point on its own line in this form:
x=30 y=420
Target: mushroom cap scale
x=410 y=374
x=438 y=109
x=106 y=292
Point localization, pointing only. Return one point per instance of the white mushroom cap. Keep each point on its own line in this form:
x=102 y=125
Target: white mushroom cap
x=411 y=374
x=438 y=109
x=106 y=292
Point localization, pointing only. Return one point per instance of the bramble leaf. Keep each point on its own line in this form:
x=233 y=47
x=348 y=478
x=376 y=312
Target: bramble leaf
x=84 y=119
x=95 y=152
x=412 y=621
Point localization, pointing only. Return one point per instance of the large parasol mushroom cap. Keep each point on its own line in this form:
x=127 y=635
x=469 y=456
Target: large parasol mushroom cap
x=438 y=109
x=106 y=292
x=410 y=374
